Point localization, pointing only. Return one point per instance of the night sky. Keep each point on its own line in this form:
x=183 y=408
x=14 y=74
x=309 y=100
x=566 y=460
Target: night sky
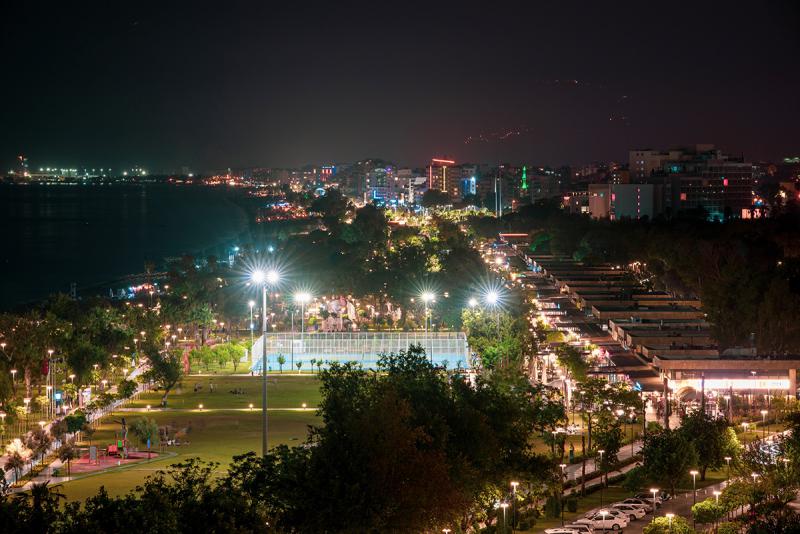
x=211 y=85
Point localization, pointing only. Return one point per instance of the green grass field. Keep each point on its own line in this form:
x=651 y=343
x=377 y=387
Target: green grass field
x=226 y=426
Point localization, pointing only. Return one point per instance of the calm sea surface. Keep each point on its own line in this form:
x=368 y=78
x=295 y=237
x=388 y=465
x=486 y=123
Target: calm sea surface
x=55 y=235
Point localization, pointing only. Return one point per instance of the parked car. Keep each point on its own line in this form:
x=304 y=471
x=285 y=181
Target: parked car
x=612 y=512
x=648 y=505
x=581 y=528
x=559 y=530
x=604 y=522
x=648 y=498
x=634 y=512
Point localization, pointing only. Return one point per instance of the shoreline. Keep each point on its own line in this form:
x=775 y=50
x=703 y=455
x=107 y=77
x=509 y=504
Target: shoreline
x=239 y=222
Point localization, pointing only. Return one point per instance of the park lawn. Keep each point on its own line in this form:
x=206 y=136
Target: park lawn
x=228 y=429
x=283 y=391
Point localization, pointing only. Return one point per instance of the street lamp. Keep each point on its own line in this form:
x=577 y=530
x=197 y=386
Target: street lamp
x=561 y=494
x=728 y=461
x=492 y=298
x=262 y=278
x=428 y=296
x=654 y=491
x=669 y=517
x=694 y=474
x=472 y=302
x=602 y=482
x=764 y=422
x=504 y=505
x=514 y=485
x=716 y=495
x=603 y=514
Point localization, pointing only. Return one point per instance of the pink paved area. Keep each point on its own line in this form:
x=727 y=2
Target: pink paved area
x=83 y=465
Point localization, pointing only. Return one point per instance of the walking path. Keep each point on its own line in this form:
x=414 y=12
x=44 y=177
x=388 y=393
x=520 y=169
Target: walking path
x=9 y=477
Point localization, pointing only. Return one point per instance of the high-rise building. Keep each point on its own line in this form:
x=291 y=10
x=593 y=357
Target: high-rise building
x=440 y=176
x=699 y=177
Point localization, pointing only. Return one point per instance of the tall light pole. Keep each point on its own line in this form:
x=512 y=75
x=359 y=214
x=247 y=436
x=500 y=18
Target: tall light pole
x=427 y=297
x=492 y=299
x=264 y=279
x=654 y=491
x=694 y=485
x=561 y=494
x=250 y=305
x=764 y=423
x=302 y=297
x=728 y=461
x=602 y=482
x=514 y=485
x=669 y=517
x=504 y=505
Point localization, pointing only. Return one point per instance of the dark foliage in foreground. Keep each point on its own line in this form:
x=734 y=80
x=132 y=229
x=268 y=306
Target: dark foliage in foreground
x=405 y=449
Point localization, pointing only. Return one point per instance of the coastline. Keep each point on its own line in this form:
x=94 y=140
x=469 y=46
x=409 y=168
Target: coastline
x=217 y=221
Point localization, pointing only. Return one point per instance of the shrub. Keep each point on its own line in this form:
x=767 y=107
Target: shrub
x=572 y=505
x=728 y=528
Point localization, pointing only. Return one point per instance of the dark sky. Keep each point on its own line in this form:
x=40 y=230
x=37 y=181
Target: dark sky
x=219 y=84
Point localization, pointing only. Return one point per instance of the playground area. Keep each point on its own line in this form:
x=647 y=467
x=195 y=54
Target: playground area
x=225 y=426
x=85 y=464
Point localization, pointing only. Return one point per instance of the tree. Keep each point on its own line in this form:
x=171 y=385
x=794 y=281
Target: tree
x=126 y=388
x=635 y=479
x=333 y=206
x=165 y=370
x=710 y=438
x=67 y=453
x=571 y=358
x=665 y=525
x=298 y=364
x=146 y=431
x=281 y=362
x=608 y=436
x=433 y=197
x=404 y=449
x=75 y=421
x=88 y=430
x=39 y=442
x=14 y=462
x=668 y=458
x=707 y=511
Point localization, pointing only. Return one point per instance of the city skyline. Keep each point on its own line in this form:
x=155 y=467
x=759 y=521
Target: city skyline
x=244 y=86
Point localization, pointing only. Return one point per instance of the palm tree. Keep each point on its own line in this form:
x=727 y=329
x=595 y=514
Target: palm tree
x=319 y=366
x=15 y=462
x=299 y=365
x=313 y=362
x=281 y=362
